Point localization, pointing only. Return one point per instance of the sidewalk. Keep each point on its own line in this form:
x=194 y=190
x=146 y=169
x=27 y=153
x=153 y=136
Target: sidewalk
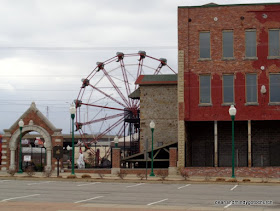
x=134 y=178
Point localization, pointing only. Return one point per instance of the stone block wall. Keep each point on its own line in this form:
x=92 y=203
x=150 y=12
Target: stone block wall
x=158 y=103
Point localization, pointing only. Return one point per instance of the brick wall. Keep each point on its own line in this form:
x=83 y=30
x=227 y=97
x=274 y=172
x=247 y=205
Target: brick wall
x=116 y=158
x=240 y=142
x=158 y=103
x=192 y=20
x=267 y=172
x=201 y=137
x=265 y=143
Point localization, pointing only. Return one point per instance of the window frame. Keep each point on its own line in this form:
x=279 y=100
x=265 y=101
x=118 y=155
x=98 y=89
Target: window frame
x=257 y=97
x=209 y=58
x=278 y=56
x=233 y=88
x=210 y=92
x=256 y=54
x=270 y=102
x=223 y=57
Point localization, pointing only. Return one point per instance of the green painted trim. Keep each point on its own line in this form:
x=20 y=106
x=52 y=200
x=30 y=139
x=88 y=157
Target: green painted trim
x=229 y=5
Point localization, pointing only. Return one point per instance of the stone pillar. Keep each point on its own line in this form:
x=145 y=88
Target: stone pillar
x=216 y=143
x=12 y=160
x=181 y=110
x=116 y=160
x=49 y=160
x=173 y=157
x=249 y=145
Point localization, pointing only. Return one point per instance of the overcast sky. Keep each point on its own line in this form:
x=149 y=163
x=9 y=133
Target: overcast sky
x=47 y=46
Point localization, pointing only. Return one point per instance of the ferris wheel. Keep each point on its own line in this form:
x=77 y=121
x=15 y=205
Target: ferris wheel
x=105 y=104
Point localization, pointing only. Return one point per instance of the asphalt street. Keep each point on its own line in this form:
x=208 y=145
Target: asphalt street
x=181 y=196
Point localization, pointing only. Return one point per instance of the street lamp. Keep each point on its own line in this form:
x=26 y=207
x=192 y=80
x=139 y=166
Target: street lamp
x=116 y=141
x=68 y=148
x=232 y=113
x=72 y=112
x=20 y=124
x=152 y=126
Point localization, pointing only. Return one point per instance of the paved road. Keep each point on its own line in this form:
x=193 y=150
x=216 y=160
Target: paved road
x=65 y=195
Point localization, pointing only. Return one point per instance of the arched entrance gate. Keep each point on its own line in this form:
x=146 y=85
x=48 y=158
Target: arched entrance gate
x=34 y=121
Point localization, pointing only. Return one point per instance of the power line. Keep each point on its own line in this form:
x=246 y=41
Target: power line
x=45 y=48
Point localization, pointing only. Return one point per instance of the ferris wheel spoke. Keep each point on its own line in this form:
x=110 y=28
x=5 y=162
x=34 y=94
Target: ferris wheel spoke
x=140 y=68
x=171 y=69
x=99 y=106
x=110 y=97
x=115 y=87
x=121 y=130
x=127 y=86
x=111 y=127
x=103 y=119
x=158 y=69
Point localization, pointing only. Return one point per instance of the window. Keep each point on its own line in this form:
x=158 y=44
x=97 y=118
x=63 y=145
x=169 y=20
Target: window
x=227 y=44
x=274 y=43
x=228 y=88
x=274 y=80
x=250 y=44
x=251 y=88
x=205 y=89
x=204 y=45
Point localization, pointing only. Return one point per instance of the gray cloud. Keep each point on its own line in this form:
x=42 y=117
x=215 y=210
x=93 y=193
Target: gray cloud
x=46 y=47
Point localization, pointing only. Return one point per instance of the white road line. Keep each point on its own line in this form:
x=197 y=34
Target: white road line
x=184 y=186
x=227 y=205
x=234 y=187
x=157 y=202
x=135 y=185
x=1 y=181
x=97 y=197
x=39 y=183
x=93 y=183
x=19 y=197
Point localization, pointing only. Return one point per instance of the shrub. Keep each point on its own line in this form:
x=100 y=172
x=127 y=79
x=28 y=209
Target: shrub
x=232 y=180
x=162 y=174
x=71 y=176
x=220 y=179
x=86 y=176
x=184 y=174
x=140 y=176
x=11 y=172
x=246 y=180
x=30 y=171
x=121 y=175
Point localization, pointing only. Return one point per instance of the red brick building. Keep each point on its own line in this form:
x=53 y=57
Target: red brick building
x=229 y=54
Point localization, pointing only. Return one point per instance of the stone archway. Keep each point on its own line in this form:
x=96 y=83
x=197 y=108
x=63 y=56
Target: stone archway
x=35 y=121
x=30 y=128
